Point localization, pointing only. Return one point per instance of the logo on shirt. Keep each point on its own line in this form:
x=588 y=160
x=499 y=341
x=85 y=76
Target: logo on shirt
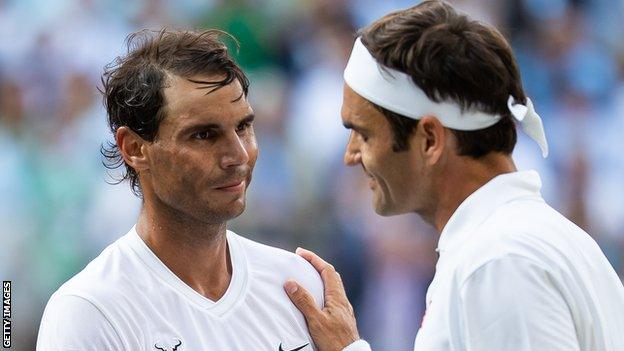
x=295 y=349
x=168 y=346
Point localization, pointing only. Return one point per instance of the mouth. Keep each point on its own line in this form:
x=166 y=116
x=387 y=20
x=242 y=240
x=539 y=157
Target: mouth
x=366 y=173
x=371 y=182
x=234 y=186
x=371 y=179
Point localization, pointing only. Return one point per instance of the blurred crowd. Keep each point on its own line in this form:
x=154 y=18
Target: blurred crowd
x=58 y=210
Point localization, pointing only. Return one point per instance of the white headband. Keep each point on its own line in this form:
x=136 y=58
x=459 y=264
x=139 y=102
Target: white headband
x=397 y=92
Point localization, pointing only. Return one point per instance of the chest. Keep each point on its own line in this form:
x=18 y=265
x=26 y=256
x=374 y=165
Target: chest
x=258 y=322
x=438 y=321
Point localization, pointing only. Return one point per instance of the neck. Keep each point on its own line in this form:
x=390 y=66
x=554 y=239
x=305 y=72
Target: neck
x=468 y=176
x=194 y=251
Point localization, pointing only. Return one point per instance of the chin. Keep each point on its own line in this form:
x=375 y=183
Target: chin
x=222 y=212
x=234 y=210
x=239 y=210
x=387 y=213
x=383 y=210
x=387 y=210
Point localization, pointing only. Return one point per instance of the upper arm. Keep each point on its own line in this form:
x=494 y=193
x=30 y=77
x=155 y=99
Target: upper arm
x=73 y=323
x=511 y=303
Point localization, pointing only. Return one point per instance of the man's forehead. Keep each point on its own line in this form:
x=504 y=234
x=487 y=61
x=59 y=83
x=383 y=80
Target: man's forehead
x=356 y=109
x=185 y=90
x=188 y=101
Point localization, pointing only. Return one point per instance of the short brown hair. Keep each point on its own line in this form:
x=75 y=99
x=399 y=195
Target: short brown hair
x=450 y=57
x=133 y=84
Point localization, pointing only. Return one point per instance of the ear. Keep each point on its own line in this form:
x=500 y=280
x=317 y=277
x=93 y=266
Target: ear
x=433 y=139
x=132 y=148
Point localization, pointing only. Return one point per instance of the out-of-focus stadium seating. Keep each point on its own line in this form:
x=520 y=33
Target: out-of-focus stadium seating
x=57 y=211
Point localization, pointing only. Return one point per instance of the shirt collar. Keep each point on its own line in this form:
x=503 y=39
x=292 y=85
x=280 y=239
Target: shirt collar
x=232 y=296
x=479 y=205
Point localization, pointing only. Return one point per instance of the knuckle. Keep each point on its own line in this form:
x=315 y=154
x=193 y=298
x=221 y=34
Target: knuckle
x=315 y=323
x=303 y=301
x=350 y=309
x=328 y=268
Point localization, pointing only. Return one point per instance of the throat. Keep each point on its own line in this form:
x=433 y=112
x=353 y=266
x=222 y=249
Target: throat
x=209 y=273
x=200 y=258
x=468 y=177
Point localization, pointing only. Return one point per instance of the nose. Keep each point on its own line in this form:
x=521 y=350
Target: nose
x=352 y=156
x=235 y=152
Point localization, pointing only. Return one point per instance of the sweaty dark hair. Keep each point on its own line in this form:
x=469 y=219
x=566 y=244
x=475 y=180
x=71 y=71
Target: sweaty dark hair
x=132 y=85
x=451 y=58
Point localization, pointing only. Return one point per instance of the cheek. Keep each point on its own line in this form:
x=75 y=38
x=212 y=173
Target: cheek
x=163 y=162
x=376 y=160
x=251 y=146
x=396 y=175
x=368 y=156
x=181 y=166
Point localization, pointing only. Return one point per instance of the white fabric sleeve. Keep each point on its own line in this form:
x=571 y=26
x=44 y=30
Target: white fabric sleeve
x=512 y=303
x=72 y=323
x=358 y=345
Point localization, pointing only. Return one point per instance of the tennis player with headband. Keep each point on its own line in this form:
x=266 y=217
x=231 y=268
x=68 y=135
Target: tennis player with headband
x=433 y=99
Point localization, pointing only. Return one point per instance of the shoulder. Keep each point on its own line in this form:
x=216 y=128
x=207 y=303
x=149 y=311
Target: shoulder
x=513 y=294
x=514 y=269
x=529 y=230
x=72 y=322
x=109 y=271
x=278 y=265
x=111 y=282
x=529 y=217
x=102 y=301
x=512 y=285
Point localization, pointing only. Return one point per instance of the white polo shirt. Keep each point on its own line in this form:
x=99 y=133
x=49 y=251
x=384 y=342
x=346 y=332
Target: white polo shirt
x=127 y=299
x=514 y=274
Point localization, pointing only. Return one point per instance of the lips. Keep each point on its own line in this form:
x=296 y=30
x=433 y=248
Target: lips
x=366 y=171
x=371 y=182
x=232 y=185
x=236 y=181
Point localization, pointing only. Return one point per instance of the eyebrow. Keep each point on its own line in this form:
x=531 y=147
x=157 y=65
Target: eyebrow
x=248 y=119
x=205 y=126
x=350 y=125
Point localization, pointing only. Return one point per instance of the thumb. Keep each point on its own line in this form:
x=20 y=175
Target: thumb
x=302 y=299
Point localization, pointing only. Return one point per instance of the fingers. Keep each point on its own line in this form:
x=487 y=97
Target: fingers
x=302 y=299
x=331 y=279
x=318 y=263
x=333 y=284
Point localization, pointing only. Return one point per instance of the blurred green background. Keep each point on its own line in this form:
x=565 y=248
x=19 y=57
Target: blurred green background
x=57 y=211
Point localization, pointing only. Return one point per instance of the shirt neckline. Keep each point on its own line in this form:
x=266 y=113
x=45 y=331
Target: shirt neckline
x=480 y=204
x=234 y=293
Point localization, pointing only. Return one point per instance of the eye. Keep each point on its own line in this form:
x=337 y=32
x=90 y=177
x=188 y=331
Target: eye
x=204 y=135
x=362 y=136
x=244 y=126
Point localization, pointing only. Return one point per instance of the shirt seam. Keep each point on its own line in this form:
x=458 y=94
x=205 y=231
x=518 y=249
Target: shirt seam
x=497 y=258
x=494 y=211
x=100 y=309
x=240 y=297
